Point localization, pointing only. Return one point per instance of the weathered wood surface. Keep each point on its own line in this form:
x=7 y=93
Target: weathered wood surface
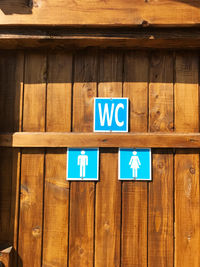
x=56 y=223
x=187 y=200
x=71 y=38
x=82 y=195
x=32 y=164
x=160 y=197
x=134 y=195
x=56 y=199
x=100 y=13
x=108 y=213
x=52 y=139
x=11 y=88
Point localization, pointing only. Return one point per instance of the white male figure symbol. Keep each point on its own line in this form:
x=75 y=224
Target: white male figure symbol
x=82 y=162
x=135 y=164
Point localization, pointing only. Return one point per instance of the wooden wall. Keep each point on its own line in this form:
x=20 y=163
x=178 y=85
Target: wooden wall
x=52 y=222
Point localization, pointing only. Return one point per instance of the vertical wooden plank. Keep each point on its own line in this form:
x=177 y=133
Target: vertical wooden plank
x=81 y=235
x=11 y=86
x=59 y=92
x=34 y=93
x=160 y=220
x=55 y=241
x=108 y=190
x=55 y=244
x=5 y=194
x=16 y=156
x=187 y=200
x=134 y=194
x=32 y=165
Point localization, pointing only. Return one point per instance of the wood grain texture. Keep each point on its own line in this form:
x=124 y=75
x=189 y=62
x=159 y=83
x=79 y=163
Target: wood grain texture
x=161 y=92
x=11 y=92
x=31 y=208
x=134 y=195
x=100 y=13
x=34 y=92
x=186 y=92
x=56 y=202
x=59 y=92
x=32 y=164
x=105 y=37
x=160 y=202
x=14 y=221
x=6 y=227
x=187 y=199
x=160 y=223
x=11 y=85
x=187 y=203
x=154 y=140
x=108 y=190
x=81 y=235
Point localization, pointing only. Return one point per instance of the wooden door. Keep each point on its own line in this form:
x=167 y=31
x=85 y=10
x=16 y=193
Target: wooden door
x=52 y=222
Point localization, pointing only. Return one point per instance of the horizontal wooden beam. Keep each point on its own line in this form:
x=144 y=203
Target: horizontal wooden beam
x=72 y=38
x=153 y=140
x=100 y=13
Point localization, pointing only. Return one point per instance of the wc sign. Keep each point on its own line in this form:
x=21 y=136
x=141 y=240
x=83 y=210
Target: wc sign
x=110 y=114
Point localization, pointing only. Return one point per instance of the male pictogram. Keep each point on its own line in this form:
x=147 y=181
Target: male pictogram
x=82 y=162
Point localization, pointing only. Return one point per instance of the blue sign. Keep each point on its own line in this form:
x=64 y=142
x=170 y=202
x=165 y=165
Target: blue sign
x=111 y=115
x=134 y=164
x=82 y=164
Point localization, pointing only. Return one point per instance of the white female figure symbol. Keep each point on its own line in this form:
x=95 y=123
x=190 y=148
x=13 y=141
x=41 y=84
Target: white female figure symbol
x=82 y=162
x=135 y=164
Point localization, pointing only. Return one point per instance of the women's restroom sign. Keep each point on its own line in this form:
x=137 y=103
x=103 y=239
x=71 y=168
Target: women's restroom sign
x=110 y=114
x=134 y=164
x=83 y=164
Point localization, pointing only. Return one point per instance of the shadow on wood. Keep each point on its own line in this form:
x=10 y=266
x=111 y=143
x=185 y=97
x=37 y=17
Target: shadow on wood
x=194 y=3
x=9 y=7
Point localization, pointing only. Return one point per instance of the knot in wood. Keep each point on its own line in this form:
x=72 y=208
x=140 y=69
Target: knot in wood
x=145 y=23
x=89 y=92
x=192 y=170
x=81 y=251
x=106 y=226
x=36 y=231
x=160 y=165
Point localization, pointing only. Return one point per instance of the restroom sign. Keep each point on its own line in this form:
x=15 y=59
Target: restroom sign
x=83 y=164
x=134 y=164
x=110 y=114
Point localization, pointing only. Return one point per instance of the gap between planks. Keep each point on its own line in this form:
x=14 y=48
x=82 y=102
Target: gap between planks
x=140 y=140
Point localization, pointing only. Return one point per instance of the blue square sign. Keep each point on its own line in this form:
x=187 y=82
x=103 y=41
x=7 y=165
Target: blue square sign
x=82 y=164
x=111 y=114
x=134 y=164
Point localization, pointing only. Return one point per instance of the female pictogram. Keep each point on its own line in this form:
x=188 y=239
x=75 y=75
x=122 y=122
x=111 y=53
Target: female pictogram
x=134 y=164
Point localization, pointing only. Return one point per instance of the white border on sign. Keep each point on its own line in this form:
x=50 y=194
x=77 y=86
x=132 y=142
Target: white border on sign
x=129 y=179
x=127 y=117
x=82 y=179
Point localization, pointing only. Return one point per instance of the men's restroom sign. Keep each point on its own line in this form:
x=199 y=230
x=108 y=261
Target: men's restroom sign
x=134 y=164
x=110 y=114
x=83 y=164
